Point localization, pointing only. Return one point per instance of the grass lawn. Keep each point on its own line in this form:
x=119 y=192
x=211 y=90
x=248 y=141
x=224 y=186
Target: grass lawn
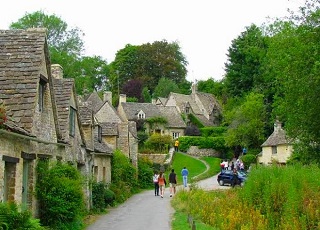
x=194 y=166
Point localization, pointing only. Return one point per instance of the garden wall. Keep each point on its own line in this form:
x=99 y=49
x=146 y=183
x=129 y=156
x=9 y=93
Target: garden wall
x=195 y=151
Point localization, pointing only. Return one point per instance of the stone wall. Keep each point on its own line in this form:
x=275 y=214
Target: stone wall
x=156 y=158
x=195 y=151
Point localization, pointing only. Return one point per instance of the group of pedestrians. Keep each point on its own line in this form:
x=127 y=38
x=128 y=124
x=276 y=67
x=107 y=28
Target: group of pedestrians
x=160 y=182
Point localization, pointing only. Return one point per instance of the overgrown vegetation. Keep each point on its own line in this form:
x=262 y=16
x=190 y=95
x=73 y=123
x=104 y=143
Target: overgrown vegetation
x=157 y=143
x=102 y=197
x=273 y=198
x=60 y=195
x=12 y=218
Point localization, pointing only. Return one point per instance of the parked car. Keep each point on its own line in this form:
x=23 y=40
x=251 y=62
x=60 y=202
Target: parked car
x=226 y=177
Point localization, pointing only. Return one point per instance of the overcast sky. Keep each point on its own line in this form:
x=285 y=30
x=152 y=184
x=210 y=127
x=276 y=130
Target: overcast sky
x=204 y=29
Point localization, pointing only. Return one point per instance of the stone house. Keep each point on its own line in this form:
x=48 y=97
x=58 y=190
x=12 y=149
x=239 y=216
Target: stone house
x=33 y=131
x=132 y=111
x=277 y=148
x=204 y=106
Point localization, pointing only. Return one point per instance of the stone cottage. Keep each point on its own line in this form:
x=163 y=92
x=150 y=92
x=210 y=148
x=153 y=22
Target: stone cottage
x=32 y=132
x=204 y=106
x=277 y=148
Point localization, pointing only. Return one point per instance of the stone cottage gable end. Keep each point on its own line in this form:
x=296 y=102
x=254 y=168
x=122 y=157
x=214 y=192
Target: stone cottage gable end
x=24 y=66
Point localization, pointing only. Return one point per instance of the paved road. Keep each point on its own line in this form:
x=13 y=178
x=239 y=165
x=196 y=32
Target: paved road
x=145 y=211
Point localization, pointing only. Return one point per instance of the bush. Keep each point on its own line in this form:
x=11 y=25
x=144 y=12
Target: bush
x=59 y=191
x=160 y=143
x=145 y=172
x=248 y=159
x=213 y=131
x=109 y=197
x=12 y=218
x=216 y=143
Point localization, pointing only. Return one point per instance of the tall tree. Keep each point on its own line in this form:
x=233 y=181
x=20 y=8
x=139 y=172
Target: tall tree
x=245 y=56
x=148 y=63
x=165 y=87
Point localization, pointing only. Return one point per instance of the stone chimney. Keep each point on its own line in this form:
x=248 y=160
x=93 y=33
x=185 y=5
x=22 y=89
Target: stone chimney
x=277 y=126
x=153 y=101
x=56 y=71
x=122 y=98
x=194 y=88
x=107 y=96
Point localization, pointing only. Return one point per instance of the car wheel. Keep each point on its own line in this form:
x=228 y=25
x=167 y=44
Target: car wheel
x=221 y=183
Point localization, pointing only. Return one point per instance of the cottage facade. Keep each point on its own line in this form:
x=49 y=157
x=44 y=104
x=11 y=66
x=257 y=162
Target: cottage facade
x=277 y=148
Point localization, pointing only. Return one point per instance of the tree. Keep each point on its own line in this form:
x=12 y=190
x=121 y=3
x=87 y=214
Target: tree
x=245 y=57
x=246 y=122
x=66 y=47
x=148 y=63
x=165 y=87
x=133 y=88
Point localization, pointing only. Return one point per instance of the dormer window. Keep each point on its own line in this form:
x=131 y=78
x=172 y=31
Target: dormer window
x=42 y=88
x=141 y=115
x=72 y=121
x=187 y=110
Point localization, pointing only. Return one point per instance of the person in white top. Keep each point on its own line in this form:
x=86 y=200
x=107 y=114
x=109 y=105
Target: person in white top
x=156 y=183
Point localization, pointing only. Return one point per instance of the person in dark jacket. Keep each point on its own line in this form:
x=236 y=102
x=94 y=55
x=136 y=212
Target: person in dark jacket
x=172 y=182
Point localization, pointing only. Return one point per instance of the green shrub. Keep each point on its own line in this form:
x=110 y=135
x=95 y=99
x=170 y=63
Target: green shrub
x=59 y=191
x=98 y=202
x=145 y=172
x=12 y=218
x=216 y=143
x=248 y=159
x=213 y=131
x=109 y=197
x=159 y=143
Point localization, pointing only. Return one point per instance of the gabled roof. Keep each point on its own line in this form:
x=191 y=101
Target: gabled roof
x=109 y=128
x=131 y=109
x=182 y=100
x=151 y=110
x=21 y=55
x=85 y=112
x=208 y=101
x=95 y=100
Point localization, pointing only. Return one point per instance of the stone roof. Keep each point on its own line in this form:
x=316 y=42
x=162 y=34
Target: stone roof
x=209 y=102
x=101 y=147
x=173 y=117
x=278 y=137
x=131 y=110
x=63 y=91
x=109 y=128
x=182 y=100
x=85 y=112
x=21 y=55
x=151 y=110
x=95 y=100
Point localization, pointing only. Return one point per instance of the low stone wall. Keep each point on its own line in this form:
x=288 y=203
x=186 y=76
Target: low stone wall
x=195 y=151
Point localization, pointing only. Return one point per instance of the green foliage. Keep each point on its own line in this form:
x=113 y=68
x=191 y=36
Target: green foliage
x=246 y=122
x=217 y=143
x=159 y=143
x=195 y=120
x=145 y=169
x=102 y=196
x=146 y=95
x=156 y=120
x=164 y=87
x=148 y=63
x=123 y=176
x=213 y=131
x=217 y=88
x=12 y=218
x=249 y=159
x=273 y=198
x=59 y=191
x=142 y=136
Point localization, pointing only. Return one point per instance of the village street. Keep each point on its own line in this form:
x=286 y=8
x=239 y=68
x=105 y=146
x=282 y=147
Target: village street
x=146 y=211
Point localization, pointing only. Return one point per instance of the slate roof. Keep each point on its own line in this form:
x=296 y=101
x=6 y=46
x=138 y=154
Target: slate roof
x=20 y=65
x=209 y=102
x=85 y=112
x=182 y=100
x=95 y=100
x=173 y=117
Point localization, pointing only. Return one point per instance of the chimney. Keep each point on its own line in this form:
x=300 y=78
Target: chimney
x=277 y=126
x=122 y=98
x=56 y=71
x=107 y=96
x=153 y=101
x=194 y=88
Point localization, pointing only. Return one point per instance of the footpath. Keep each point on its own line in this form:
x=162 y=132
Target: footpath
x=145 y=211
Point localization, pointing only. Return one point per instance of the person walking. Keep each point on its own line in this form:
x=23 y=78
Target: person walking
x=172 y=182
x=185 y=174
x=176 y=145
x=156 y=183
x=162 y=183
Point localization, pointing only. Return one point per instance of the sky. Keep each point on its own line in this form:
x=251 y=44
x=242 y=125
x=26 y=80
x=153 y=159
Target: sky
x=204 y=29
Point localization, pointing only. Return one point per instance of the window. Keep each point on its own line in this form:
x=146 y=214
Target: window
x=99 y=133
x=72 y=121
x=175 y=135
x=187 y=110
x=274 y=149
x=141 y=115
x=41 y=92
